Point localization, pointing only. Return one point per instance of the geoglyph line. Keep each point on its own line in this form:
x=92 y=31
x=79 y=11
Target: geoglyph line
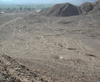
x=79 y=46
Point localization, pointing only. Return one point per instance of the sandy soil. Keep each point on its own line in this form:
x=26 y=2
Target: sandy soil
x=55 y=49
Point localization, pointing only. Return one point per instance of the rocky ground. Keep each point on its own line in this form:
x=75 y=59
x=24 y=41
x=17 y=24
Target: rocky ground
x=12 y=71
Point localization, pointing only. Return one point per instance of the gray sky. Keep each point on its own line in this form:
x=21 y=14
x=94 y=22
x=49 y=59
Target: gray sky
x=47 y=1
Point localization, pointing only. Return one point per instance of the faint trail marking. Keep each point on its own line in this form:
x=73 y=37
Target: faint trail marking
x=80 y=46
x=11 y=21
x=79 y=23
x=4 y=48
x=27 y=44
x=92 y=18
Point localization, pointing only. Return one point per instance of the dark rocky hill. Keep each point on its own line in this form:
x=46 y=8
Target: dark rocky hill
x=65 y=9
x=96 y=3
x=85 y=7
x=96 y=8
x=68 y=9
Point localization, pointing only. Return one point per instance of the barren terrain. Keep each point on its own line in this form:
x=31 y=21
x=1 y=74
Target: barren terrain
x=56 y=49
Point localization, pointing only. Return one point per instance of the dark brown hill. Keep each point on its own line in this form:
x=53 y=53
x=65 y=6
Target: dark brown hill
x=68 y=9
x=96 y=3
x=85 y=7
x=65 y=9
x=96 y=8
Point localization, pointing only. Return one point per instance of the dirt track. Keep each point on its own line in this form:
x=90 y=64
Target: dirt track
x=63 y=48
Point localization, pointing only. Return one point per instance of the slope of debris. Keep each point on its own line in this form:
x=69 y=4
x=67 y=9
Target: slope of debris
x=12 y=71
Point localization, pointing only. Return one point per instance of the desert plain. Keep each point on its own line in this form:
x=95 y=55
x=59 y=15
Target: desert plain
x=37 y=48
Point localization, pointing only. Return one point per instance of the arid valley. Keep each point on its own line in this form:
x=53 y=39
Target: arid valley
x=37 y=48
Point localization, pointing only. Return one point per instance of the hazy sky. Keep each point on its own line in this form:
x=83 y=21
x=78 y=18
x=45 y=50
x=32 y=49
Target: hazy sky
x=47 y=1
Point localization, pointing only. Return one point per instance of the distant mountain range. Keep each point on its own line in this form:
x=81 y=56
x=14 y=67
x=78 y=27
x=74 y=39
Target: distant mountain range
x=75 y=2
